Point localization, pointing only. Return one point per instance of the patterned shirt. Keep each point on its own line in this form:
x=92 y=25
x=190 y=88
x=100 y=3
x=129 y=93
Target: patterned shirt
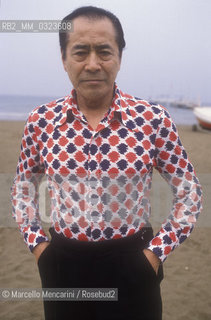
x=99 y=180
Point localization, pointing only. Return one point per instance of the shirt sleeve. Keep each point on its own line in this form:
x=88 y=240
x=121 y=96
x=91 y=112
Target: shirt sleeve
x=172 y=162
x=24 y=190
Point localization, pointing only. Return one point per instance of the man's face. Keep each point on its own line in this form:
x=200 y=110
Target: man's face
x=92 y=58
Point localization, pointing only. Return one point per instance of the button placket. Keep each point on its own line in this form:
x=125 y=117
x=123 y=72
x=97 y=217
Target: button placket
x=94 y=184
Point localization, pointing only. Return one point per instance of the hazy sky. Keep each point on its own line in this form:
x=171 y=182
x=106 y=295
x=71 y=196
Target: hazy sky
x=168 y=48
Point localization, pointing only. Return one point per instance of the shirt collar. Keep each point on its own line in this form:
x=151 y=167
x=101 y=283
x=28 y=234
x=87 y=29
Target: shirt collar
x=119 y=109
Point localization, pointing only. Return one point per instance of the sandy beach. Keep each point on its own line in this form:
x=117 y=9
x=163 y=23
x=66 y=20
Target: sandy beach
x=186 y=289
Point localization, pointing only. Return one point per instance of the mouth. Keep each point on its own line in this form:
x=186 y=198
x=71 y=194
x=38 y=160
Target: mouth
x=92 y=80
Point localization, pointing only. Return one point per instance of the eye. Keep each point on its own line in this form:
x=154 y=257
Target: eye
x=105 y=54
x=80 y=53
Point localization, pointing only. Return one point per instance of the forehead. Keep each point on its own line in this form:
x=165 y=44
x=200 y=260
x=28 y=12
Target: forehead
x=92 y=31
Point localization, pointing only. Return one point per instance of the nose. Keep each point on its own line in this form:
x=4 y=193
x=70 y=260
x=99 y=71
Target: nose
x=92 y=62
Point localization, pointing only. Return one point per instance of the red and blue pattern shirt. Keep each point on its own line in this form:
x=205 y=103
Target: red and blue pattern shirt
x=99 y=180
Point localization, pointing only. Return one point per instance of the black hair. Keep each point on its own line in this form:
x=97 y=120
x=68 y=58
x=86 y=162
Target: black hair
x=92 y=13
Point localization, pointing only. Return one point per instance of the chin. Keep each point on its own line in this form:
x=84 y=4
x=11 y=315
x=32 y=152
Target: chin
x=95 y=93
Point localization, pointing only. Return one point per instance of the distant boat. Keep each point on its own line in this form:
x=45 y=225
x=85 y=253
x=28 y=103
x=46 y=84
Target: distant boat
x=182 y=104
x=203 y=115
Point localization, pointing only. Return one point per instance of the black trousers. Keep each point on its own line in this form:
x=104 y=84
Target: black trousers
x=118 y=263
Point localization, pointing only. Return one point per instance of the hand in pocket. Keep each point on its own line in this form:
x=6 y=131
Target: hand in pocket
x=153 y=259
x=39 y=249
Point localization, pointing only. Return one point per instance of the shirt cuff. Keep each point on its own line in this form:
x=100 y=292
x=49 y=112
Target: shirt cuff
x=33 y=236
x=161 y=250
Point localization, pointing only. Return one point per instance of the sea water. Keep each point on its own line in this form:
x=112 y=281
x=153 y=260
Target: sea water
x=18 y=108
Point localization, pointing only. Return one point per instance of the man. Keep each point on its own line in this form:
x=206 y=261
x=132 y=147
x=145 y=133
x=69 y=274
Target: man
x=97 y=147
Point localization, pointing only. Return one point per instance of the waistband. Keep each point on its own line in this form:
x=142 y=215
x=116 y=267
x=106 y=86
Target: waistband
x=135 y=241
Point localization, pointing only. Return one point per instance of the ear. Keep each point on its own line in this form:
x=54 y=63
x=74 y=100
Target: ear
x=63 y=60
x=120 y=60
